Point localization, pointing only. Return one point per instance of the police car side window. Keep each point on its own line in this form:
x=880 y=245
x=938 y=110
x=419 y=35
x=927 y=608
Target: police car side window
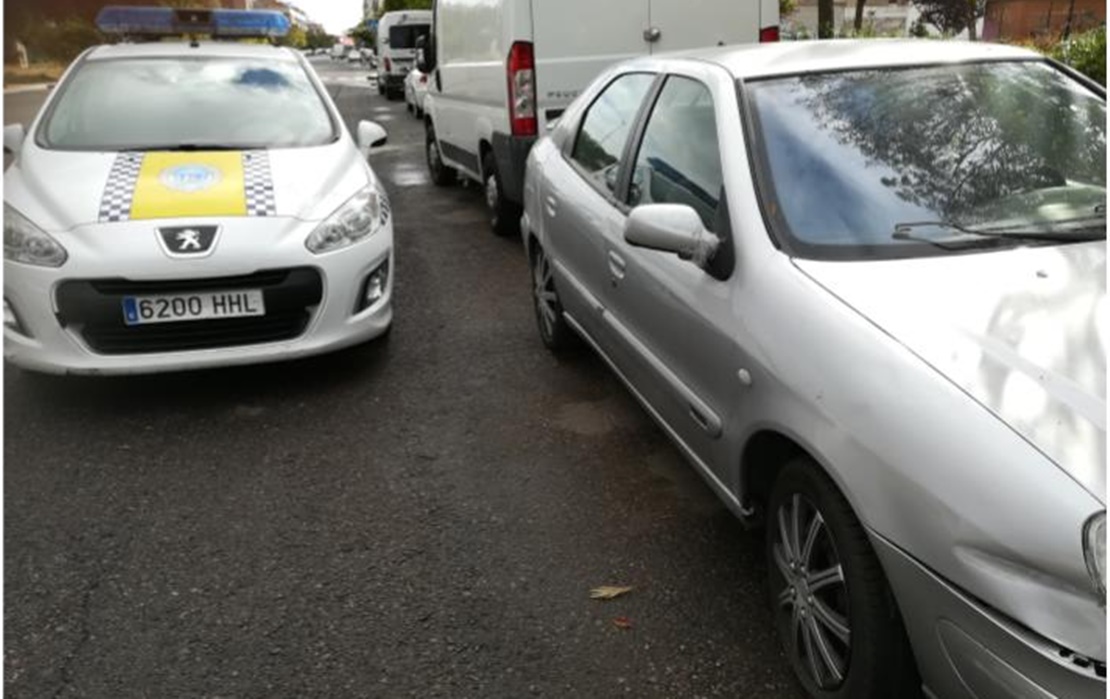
x=604 y=131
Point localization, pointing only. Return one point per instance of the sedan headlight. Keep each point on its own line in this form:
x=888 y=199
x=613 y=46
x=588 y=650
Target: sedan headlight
x=27 y=243
x=361 y=216
x=1094 y=549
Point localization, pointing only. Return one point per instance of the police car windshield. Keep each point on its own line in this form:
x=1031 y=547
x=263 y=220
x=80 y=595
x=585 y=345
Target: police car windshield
x=163 y=103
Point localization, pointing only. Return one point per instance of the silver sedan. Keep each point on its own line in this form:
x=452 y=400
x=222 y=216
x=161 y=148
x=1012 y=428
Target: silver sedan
x=862 y=286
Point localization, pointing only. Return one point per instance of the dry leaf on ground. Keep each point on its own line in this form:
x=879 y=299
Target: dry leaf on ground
x=606 y=592
x=622 y=622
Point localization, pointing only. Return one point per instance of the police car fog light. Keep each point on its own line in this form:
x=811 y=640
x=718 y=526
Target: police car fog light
x=373 y=289
x=11 y=320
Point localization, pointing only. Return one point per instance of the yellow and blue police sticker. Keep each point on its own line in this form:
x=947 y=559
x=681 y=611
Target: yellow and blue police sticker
x=195 y=184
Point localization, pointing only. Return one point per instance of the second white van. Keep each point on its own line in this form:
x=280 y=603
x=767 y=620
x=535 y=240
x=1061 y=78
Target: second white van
x=398 y=33
x=500 y=71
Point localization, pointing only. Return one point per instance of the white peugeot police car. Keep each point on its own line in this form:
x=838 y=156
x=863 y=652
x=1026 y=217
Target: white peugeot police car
x=189 y=204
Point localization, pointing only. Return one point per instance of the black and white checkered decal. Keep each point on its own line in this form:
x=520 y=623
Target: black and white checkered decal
x=119 y=192
x=257 y=185
x=115 y=205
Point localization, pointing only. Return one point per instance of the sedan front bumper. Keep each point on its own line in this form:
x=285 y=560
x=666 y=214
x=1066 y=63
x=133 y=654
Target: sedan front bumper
x=965 y=650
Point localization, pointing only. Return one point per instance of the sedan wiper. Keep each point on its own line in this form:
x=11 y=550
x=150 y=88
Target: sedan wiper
x=964 y=239
x=983 y=237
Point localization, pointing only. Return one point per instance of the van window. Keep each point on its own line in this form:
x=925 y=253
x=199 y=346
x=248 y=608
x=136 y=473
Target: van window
x=404 y=36
x=605 y=128
x=679 y=160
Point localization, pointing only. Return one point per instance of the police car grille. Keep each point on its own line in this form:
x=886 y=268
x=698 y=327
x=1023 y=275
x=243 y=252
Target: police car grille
x=93 y=309
x=194 y=335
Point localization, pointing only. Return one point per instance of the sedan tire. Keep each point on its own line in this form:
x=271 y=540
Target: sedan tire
x=555 y=333
x=835 y=613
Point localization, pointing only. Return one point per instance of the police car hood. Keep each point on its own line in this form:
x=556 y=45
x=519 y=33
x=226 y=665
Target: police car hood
x=60 y=190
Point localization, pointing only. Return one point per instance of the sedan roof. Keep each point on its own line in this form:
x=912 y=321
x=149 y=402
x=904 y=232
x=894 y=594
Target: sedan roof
x=791 y=57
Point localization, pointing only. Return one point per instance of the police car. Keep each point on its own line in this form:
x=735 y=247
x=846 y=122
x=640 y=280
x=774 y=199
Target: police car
x=187 y=204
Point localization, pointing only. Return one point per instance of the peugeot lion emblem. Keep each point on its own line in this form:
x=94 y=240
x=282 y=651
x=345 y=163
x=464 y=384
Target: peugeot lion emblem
x=188 y=241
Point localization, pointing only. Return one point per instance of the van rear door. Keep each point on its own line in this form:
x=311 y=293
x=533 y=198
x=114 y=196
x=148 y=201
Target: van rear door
x=689 y=24
x=575 y=40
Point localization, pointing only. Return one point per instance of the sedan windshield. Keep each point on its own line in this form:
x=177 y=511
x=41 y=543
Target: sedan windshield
x=901 y=162
x=194 y=103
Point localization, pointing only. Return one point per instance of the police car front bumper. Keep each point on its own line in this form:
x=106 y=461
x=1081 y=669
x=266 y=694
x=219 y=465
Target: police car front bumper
x=64 y=320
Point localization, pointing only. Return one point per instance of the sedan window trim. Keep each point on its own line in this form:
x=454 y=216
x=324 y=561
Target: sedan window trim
x=567 y=150
x=774 y=222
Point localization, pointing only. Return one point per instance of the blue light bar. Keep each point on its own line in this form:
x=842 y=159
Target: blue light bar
x=167 y=21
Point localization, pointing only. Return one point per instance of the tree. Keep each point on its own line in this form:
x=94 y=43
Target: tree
x=825 y=27
x=362 y=35
x=859 y=15
x=953 y=16
x=787 y=7
x=395 y=5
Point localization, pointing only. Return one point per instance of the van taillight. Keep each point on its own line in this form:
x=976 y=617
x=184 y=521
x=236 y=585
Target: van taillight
x=388 y=64
x=768 y=34
x=522 y=89
x=424 y=79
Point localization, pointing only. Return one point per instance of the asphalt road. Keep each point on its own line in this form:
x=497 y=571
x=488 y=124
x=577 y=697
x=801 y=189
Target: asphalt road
x=420 y=517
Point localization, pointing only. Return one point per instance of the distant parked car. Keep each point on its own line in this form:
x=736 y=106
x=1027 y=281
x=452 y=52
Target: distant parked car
x=862 y=286
x=416 y=89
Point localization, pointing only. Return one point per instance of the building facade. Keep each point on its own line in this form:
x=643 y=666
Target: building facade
x=1008 y=20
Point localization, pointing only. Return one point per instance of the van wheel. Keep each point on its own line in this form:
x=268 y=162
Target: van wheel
x=554 y=330
x=504 y=214
x=836 y=616
x=442 y=176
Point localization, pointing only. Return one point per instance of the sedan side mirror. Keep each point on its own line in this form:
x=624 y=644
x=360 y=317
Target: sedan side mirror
x=673 y=228
x=370 y=135
x=13 y=138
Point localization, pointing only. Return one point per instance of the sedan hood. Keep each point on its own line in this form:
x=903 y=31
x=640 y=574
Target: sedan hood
x=1023 y=332
x=61 y=190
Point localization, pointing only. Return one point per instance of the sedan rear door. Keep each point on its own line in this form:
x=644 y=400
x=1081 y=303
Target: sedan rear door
x=581 y=216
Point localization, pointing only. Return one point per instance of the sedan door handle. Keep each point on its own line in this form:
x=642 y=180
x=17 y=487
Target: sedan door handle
x=616 y=266
x=551 y=205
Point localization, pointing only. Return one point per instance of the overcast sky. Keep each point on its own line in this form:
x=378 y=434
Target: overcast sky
x=337 y=16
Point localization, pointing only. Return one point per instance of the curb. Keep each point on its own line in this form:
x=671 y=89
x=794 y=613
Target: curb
x=36 y=87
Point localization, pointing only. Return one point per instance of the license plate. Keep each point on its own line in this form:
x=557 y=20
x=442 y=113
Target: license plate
x=208 y=305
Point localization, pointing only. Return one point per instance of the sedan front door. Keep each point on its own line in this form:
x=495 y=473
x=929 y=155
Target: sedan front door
x=677 y=319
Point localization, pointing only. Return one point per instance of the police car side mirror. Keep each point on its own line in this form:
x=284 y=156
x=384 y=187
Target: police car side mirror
x=13 y=138
x=370 y=135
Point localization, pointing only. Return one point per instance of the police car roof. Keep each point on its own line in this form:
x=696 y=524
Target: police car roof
x=183 y=49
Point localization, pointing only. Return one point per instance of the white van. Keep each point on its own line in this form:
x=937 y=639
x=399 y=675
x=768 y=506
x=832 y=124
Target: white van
x=397 y=35
x=501 y=70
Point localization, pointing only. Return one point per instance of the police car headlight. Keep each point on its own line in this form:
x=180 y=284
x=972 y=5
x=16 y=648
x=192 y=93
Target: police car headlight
x=27 y=243
x=362 y=216
x=1094 y=550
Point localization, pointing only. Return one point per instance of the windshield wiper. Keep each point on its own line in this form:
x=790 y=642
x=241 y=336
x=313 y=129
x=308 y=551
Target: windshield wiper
x=192 y=147
x=983 y=237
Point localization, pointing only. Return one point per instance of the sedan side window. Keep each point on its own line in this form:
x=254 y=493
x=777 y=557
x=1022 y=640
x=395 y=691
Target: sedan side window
x=601 y=138
x=679 y=160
